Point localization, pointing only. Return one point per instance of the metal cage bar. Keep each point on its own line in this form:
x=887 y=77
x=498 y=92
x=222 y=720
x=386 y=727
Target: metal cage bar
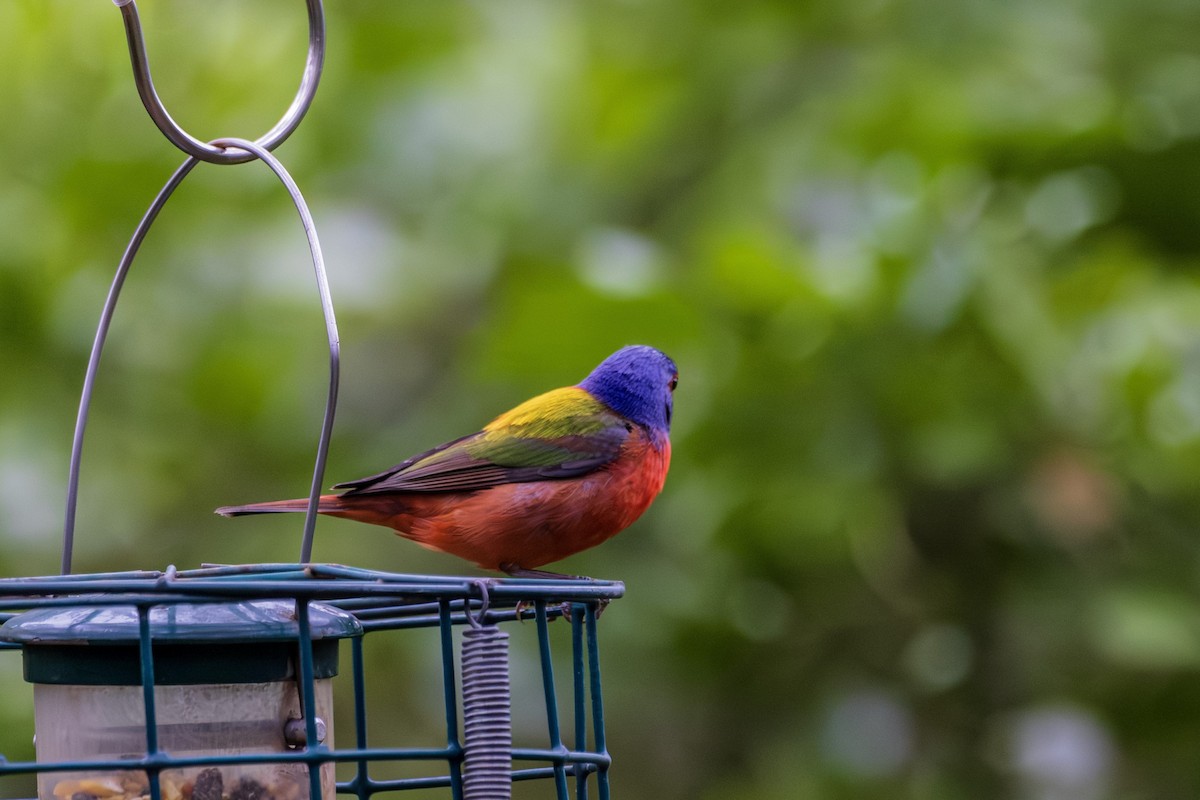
x=146 y=656
x=580 y=699
x=453 y=742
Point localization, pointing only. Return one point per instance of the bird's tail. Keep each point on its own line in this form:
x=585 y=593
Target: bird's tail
x=327 y=503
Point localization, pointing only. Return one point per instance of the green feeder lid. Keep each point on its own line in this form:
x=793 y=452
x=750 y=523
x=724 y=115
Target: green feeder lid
x=252 y=641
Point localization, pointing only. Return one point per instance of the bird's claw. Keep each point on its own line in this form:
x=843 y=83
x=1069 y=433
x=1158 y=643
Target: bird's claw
x=601 y=604
x=521 y=607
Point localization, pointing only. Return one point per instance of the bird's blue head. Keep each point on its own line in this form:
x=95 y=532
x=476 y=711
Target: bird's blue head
x=638 y=382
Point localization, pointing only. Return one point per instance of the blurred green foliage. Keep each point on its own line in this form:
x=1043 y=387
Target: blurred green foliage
x=929 y=271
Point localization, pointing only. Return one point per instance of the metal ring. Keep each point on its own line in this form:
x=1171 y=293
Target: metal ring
x=204 y=151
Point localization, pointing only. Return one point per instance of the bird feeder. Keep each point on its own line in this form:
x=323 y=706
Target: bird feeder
x=225 y=682
x=215 y=683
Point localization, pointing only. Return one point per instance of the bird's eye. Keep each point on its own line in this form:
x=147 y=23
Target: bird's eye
x=674 y=382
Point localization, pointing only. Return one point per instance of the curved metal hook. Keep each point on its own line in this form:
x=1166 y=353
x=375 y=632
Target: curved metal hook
x=331 y=329
x=476 y=622
x=89 y=379
x=203 y=150
x=254 y=151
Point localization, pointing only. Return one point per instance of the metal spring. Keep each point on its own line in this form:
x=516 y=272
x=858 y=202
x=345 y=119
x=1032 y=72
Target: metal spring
x=487 y=714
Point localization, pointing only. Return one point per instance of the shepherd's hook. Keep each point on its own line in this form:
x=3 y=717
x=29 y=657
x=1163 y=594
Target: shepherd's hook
x=205 y=151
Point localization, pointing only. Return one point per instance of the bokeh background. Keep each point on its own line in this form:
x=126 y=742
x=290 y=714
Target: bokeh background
x=930 y=272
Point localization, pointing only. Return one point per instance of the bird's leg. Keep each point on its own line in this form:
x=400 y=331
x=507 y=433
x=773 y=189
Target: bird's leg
x=518 y=571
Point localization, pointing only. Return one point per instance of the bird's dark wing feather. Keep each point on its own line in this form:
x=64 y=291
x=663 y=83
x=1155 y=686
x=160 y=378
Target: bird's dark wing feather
x=580 y=435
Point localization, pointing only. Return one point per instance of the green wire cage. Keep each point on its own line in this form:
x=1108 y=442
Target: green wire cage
x=162 y=672
x=218 y=683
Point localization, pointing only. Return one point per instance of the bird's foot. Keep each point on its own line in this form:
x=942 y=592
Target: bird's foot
x=601 y=604
x=522 y=607
x=525 y=608
x=517 y=571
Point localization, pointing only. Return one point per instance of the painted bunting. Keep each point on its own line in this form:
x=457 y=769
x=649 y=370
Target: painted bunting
x=559 y=473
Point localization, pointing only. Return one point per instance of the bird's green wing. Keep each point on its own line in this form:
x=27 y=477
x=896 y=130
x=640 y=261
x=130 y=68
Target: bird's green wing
x=560 y=434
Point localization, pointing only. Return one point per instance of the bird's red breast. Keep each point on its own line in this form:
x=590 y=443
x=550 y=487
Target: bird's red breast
x=527 y=524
